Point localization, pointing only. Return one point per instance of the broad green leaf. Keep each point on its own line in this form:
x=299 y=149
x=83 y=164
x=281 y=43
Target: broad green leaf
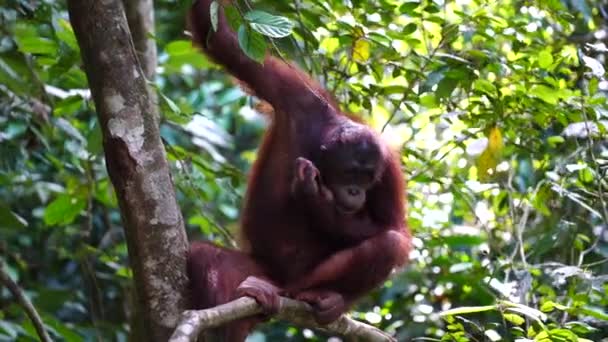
x=409 y=7
x=409 y=29
x=547 y=306
x=445 y=87
x=432 y=8
x=252 y=43
x=63 y=210
x=95 y=140
x=269 y=25
x=233 y=17
x=595 y=312
x=29 y=41
x=593 y=85
x=68 y=106
x=181 y=52
x=15 y=75
x=428 y=100
x=485 y=87
x=564 y=335
x=545 y=59
x=65 y=33
x=178 y=47
x=545 y=93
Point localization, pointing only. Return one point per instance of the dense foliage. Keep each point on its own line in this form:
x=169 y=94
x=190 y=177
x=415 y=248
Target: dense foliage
x=498 y=107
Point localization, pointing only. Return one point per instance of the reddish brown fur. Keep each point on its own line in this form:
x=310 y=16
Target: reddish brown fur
x=313 y=255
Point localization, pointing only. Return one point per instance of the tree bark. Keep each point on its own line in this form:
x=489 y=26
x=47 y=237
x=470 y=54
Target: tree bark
x=136 y=163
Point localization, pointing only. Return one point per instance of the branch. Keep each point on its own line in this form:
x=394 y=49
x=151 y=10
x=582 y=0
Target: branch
x=29 y=308
x=193 y=322
x=140 y=16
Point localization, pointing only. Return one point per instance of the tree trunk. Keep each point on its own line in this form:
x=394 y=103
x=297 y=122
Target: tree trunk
x=136 y=163
x=140 y=16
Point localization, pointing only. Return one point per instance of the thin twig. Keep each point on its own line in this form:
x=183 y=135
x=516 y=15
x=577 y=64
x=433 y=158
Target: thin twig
x=27 y=305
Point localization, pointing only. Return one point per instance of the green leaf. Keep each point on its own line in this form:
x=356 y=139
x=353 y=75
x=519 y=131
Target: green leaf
x=269 y=25
x=181 y=52
x=29 y=41
x=15 y=75
x=432 y=8
x=171 y=104
x=68 y=106
x=233 y=17
x=593 y=85
x=63 y=210
x=428 y=100
x=485 y=86
x=545 y=93
x=393 y=89
x=409 y=29
x=252 y=43
x=555 y=140
x=95 y=140
x=595 y=312
x=65 y=33
x=552 y=305
x=586 y=175
x=10 y=220
x=178 y=47
x=545 y=59
x=409 y=7
x=445 y=87
x=514 y=318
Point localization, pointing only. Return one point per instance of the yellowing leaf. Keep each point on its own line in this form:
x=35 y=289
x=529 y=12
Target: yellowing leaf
x=490 y=157
x=330 y=44
x=361 y=50
x=495 y=144
x=486 y=165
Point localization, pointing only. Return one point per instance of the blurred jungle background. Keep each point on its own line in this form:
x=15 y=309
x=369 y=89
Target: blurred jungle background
x=498 y=108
